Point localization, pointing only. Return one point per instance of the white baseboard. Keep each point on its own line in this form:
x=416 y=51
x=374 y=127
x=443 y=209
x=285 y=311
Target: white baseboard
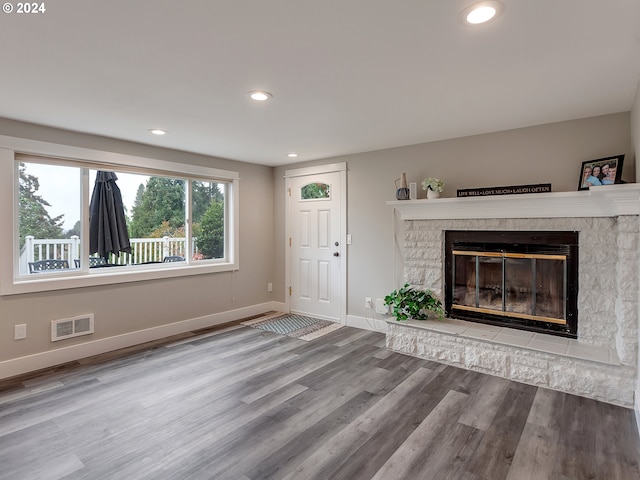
x=367 y=323
x=279 y=307
x=38 y=361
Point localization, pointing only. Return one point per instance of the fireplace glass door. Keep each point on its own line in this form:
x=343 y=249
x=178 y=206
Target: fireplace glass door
x=524 y=280
x=528 y=286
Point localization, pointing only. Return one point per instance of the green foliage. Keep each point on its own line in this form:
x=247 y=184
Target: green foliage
x=139 y=195
x=73 y=231
x=202 y=195
x=411 y=303
x=210 y=238
x=159 y=210
x=161 y=200
x=315 y=190
x=432 y=183
x=166 y=230
x=34 y=218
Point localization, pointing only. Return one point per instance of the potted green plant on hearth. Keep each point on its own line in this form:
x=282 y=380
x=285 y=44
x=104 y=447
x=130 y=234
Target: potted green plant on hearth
x=433 y=186
x=413 y=303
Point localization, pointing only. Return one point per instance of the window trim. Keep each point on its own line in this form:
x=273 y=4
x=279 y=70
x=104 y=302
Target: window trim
x=11 y=283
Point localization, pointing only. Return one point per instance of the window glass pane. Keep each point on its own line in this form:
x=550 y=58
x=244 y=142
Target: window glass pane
x=209 y=224
x=157 y=219
x=315 y=190
x=48 y=217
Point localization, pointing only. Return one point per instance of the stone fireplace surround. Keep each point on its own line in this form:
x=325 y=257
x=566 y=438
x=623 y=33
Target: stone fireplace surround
x=601 y=363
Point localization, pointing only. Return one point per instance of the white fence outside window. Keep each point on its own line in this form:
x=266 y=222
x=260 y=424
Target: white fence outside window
x=144 y=250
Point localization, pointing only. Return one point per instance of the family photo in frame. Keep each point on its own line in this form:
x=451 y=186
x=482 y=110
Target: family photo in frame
x=603 y=171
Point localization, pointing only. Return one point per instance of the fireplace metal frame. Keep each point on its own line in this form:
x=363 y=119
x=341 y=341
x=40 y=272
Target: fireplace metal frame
x=520 y=242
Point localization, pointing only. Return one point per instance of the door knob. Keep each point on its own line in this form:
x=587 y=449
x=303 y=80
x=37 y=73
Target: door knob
x=336 y=254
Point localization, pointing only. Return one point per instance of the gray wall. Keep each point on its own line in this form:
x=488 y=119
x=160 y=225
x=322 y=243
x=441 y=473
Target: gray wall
x=635 y=145
x=635 y=131
x=550 y=153
x=135 y=306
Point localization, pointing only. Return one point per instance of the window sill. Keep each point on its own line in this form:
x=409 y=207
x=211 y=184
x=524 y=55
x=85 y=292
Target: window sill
x=107 y=276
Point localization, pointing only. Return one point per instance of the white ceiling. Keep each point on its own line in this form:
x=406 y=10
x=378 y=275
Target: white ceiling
x=346 y=76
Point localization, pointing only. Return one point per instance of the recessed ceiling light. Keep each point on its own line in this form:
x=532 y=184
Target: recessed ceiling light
x=292 y=155
x=157 y=131
x=260 y=96
x=481 y=12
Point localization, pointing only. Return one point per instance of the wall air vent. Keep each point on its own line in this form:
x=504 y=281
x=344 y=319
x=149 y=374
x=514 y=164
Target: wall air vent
x=71 y=327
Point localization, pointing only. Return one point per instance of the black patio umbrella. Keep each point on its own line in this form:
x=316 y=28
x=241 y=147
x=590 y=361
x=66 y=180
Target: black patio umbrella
x=107 y=225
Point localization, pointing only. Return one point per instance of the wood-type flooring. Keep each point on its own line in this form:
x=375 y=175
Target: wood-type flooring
x=239 y=403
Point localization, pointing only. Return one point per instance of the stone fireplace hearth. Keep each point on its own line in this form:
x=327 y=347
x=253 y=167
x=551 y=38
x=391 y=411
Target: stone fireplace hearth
x=601 y=362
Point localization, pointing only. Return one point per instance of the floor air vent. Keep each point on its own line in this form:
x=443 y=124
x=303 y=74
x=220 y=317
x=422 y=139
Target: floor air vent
x=71 y=327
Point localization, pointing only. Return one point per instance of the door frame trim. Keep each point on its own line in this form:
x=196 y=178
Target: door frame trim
x=317 y=170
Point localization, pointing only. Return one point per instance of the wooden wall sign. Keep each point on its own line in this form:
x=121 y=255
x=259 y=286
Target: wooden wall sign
x=512 y=190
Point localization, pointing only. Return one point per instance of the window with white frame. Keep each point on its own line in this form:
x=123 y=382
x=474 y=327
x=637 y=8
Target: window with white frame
x=181 y=220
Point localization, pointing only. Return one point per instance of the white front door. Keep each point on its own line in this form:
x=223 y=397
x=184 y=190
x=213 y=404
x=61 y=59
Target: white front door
x=316 y=260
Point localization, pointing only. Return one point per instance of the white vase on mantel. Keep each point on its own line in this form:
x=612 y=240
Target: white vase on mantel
x=432 y=194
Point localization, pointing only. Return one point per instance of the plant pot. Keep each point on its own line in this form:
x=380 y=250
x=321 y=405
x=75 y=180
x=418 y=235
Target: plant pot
x=431 y=194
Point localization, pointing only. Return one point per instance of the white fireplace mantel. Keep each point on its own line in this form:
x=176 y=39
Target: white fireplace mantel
x=605 y=201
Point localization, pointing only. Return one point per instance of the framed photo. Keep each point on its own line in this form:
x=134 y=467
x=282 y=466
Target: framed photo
x=603 y=171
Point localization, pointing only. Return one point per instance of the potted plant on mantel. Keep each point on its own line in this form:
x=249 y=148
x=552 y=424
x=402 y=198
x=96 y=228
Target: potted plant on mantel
x=433 y=186
x=415 y=304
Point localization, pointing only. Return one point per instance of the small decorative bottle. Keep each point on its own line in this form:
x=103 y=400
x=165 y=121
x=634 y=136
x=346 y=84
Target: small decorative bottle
x=402 y=192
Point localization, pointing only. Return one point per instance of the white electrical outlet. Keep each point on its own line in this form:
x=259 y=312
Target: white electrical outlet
x=269 y=287
x=20 y=331
x=368 y=303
